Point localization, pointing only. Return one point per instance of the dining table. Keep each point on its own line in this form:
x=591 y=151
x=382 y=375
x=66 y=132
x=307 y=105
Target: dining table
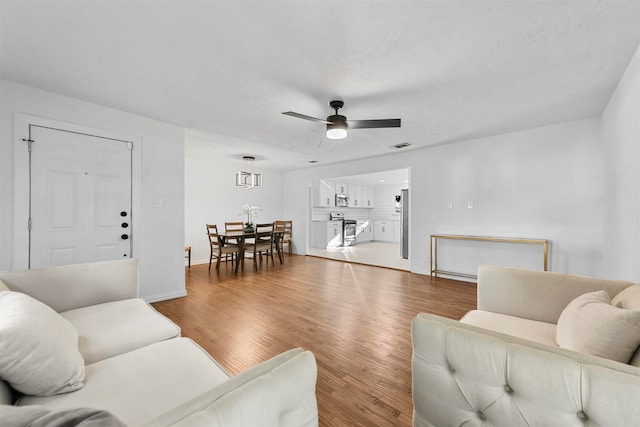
x=240 y=236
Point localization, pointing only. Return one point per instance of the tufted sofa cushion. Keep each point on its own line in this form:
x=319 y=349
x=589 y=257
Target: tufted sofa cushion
x=464 y=375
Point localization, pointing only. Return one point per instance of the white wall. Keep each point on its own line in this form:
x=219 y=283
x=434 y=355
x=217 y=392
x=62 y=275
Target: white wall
x=538 y=183
x=541 y=183
x=211 y=196
x=159 y=240
x=621 y=140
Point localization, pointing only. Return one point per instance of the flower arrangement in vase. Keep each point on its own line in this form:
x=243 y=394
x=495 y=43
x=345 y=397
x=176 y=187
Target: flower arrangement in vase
x=251 y=211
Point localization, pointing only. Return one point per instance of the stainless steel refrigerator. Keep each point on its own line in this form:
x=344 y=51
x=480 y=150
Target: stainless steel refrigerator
x=404 y=224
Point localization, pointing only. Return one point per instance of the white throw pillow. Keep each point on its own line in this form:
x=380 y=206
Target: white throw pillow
x=38 y=348
x=629 y=298
x=590 y=324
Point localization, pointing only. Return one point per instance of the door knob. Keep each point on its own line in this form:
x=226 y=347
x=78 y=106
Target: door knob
x=125 y=236
x=123 y=213
x=125 y=225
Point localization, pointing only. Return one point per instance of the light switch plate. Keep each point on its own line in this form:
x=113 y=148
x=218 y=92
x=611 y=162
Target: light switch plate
x=470 y=205
x=156 y=202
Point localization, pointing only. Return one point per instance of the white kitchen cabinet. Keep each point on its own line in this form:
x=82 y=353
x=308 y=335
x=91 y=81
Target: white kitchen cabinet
x=397 y=231
x=341 y=188
x=326 y=234
x=386 y=231
x=371 y=199
x=355 y=196
x=364 y=231
x=383 y=231
x=334 y=234
x=367 y=196
x=325 y=193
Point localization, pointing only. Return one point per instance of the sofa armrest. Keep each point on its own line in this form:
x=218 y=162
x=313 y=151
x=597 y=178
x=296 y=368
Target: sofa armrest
x=535 y=295
x=79 y=285
x=464 y=375
x=277 y=392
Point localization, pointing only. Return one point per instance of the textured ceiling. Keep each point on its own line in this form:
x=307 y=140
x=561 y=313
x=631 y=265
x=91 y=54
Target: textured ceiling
x=452 y=70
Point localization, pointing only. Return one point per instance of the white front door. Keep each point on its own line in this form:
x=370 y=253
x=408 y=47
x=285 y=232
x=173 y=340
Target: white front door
x=80 y=198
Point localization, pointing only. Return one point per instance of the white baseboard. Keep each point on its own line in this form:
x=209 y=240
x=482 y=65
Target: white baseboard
x=164 y=297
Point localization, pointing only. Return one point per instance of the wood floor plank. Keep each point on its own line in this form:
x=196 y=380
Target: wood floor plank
x=356 y=320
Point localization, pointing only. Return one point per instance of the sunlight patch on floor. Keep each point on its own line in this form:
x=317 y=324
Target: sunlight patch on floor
x=374 y=253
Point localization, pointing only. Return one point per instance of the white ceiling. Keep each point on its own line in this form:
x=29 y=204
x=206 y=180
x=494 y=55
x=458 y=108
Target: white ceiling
x=451 y=70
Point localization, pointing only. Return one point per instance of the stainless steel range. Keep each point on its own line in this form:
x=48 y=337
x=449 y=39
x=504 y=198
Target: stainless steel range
x=349 y=232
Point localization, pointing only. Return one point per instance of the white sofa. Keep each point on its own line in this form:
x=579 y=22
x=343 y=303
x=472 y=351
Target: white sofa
x=500 y=365
x=126 y=361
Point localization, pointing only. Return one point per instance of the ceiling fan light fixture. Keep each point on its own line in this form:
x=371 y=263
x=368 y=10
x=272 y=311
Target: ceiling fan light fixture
x=336 y=133
x=337 y=124
x=337 y=128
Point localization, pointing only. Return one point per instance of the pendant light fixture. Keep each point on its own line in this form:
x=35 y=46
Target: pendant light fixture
x=246 y=177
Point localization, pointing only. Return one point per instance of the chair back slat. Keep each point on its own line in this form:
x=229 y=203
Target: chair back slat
x=233 y=226
x=264 y=232
x=286 y=228
x=214 y=237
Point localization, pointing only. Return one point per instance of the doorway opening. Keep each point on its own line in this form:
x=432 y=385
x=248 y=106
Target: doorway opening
x=372 y=204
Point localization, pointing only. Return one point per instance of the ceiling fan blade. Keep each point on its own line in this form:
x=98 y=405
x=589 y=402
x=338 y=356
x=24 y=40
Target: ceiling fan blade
x=305 y=117
x=368 y=124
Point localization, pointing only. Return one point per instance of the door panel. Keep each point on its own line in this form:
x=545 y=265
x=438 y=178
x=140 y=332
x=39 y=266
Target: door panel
x=80 y=184
x=62 y=200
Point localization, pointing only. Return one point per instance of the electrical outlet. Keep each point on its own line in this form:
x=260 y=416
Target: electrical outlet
x=450 y=205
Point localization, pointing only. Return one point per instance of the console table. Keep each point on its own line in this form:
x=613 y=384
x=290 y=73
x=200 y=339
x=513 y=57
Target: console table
x=434 y=250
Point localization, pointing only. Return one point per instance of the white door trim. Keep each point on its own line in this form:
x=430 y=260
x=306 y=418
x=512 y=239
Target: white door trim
x=21 y=181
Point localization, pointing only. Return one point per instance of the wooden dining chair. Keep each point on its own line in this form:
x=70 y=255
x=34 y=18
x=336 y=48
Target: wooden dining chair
x=263 y=244
x=278 y=233
x=286 y=228
x=288 y=235
x=233 y=226
x=218 y=249
x=187 y=253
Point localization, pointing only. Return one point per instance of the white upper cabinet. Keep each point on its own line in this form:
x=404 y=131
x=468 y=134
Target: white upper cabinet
x=367 y=196
x=325 y=193
x=355 y=196
x=360 y=196
x=341 y=188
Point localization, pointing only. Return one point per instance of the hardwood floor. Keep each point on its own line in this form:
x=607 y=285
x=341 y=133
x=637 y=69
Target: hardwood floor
x=356 y=320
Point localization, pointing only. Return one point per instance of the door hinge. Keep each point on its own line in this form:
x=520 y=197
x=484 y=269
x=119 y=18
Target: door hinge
x=29 y=224
x=29 y=142
x=130 y=145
